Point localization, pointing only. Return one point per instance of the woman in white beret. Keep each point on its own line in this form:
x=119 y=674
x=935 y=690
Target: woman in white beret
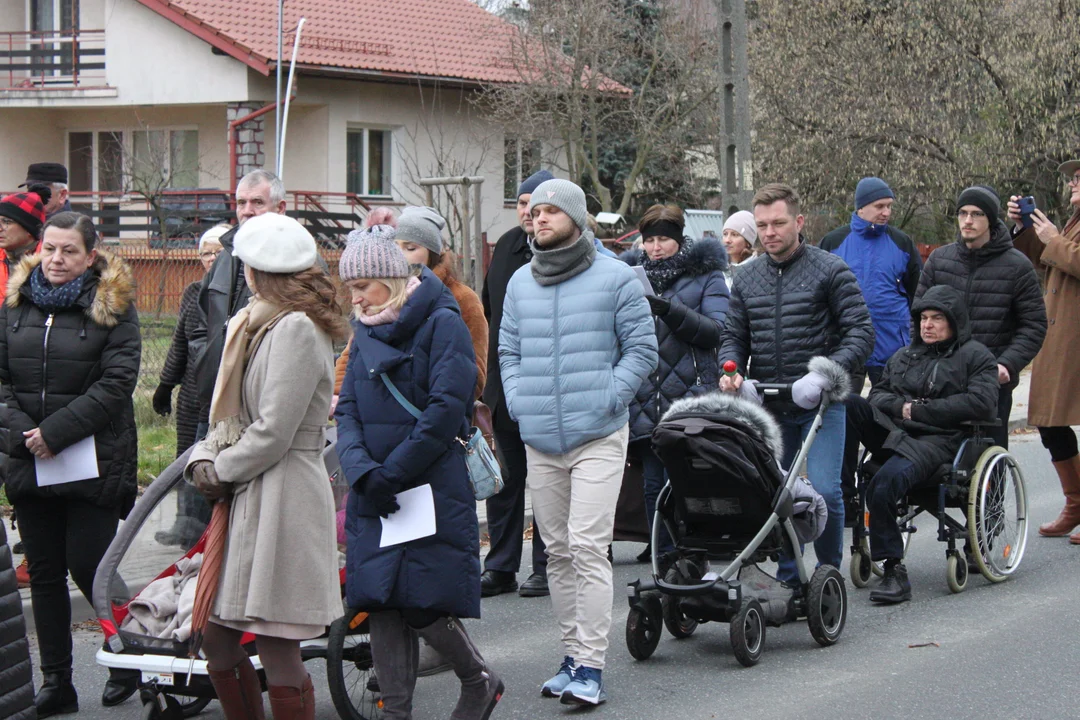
x=268 y=416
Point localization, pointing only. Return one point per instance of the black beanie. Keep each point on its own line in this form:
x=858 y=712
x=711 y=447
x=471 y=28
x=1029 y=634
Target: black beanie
x=983 y=197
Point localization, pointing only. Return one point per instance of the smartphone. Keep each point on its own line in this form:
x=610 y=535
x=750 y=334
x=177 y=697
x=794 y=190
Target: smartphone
x=1027 y=207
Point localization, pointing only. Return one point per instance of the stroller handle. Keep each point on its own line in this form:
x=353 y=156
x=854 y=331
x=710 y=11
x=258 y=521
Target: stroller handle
x=774 y=391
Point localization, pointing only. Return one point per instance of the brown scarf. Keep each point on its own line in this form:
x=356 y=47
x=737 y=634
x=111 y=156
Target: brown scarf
x=246 y=331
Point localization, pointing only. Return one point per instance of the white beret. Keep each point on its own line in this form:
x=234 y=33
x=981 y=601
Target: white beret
x=276 y=244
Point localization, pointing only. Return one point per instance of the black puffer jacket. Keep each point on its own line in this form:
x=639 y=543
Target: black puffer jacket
x=72 y=374
x=1002 y=294
x=687 y=335
x=783 y=314
x=179 y=368
x=222 y=294
x=16 y=674
x=949 y=383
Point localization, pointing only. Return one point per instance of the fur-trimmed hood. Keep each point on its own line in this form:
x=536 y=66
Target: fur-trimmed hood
x=736 y=408
x=110 y=295
x=705 y=256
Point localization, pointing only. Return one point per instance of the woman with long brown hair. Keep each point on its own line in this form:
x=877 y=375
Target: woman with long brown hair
x=279 y=580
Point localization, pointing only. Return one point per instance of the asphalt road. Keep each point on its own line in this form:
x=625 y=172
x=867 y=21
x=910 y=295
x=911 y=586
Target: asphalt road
x=1002 y=651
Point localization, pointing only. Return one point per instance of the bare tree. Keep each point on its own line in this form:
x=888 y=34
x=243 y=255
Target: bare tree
x=590 y=71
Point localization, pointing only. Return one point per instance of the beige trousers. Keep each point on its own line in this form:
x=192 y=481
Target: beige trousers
x=573 y=501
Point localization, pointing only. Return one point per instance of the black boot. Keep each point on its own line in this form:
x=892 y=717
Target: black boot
x=497 y=582
x=121 y=685
x=535 y=586
x=57 y=695
x=894 y=587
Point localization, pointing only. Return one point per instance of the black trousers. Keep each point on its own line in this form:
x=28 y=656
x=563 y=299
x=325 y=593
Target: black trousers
x=62 y=536
x=851 y=439
x=1060 y=441
x=506 y=511
x=1000 y=434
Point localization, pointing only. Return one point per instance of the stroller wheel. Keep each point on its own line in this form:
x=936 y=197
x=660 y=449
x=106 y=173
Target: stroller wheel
x=826 y=605
x=861 y=569
x=748 y=633
x=643 y=632
x=349 y=667
x=679 y=625
x=150 y=711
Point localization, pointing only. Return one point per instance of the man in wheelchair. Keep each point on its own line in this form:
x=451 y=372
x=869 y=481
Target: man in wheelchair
x=912 y=419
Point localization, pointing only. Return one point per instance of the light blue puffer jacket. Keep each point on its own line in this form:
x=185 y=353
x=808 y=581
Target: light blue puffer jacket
x=573 y=354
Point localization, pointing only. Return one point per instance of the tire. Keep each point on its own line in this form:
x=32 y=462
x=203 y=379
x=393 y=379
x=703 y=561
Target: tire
x=150 y=711
x=642 y=633
x=997 y=514
x=826 y=605
x=349 y=668
x=747 y=632
x=860 y=569
x=677 y=624
x=956 y=572
x=189 y=706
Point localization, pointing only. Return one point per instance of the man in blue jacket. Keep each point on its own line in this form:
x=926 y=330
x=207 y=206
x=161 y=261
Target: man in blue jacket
x=575 y=343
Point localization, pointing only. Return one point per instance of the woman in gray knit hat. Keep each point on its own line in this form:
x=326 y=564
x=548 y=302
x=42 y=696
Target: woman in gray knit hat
x=406 y=399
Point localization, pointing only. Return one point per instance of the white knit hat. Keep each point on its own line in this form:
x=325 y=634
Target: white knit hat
x=743 y=223
x=276 y=244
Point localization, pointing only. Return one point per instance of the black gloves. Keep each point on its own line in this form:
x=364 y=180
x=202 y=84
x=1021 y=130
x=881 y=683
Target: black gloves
x=658 y=305
x=163 y=400
x=380 y=492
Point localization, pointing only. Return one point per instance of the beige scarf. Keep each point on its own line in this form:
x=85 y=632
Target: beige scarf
x=246 y=331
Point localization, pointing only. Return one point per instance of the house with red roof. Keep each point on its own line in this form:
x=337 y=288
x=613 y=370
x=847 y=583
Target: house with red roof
x=383 y=96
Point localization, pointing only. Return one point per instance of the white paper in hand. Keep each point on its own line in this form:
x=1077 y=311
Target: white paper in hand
x=415 y=519
x=77 y=462
x=644 y=278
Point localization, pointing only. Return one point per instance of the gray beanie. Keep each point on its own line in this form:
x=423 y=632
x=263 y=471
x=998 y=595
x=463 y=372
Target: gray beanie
x=423 y=226
x=372 y=253
x=564 y=195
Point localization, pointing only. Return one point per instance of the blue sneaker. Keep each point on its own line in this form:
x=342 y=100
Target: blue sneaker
x=587 y=688
x=554 y=687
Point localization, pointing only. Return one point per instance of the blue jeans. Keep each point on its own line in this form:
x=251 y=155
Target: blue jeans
x=655 y=476
x=823 y=465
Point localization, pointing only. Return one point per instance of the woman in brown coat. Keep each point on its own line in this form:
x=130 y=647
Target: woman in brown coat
x=279 y=580
x=1054 y=403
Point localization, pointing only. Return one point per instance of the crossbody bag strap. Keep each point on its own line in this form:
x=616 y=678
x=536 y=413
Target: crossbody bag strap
x=399 y=397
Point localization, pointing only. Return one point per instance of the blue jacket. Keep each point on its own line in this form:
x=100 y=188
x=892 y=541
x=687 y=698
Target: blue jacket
x=601 y=249
x=887 y=266
x=688 y=335
x=427 y=353
x=574 y=354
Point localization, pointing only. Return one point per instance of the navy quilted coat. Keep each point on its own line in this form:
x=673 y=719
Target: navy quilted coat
x=783 y=314
x=428 y=354
x=687 y=335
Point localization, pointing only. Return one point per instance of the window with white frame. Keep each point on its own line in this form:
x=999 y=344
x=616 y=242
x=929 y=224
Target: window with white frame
x=521 y=158
x=112 y=160
x=368 y=162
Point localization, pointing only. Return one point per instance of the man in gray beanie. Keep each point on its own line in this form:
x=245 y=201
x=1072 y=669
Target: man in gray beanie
x=576 y=342
x=506 y=510
x=1000 y=287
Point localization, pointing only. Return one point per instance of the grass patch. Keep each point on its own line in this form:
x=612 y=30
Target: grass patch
x=157 y=450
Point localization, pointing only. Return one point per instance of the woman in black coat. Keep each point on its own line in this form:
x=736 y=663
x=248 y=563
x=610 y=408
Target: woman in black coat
x=16 y=674
x=69 y=362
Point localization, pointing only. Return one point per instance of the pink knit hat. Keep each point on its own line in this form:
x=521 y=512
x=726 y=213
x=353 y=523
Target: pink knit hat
x=372 y=253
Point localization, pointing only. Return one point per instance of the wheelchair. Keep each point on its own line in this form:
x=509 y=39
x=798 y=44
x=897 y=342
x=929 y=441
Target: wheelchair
x=979 y=498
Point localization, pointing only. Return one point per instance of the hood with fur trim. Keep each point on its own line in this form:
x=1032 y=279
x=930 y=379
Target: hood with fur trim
x=705 y=256
x=732 y=406
x=112 y=294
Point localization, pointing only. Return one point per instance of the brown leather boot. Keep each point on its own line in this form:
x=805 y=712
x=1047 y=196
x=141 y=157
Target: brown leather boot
x=288 y=703
x=239 y=692
x=1069 y=474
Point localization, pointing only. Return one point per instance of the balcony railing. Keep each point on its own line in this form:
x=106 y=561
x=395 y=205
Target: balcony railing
x=53 y=60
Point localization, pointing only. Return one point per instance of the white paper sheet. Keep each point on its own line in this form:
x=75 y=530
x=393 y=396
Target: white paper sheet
x=644 y=278
x=415 y=519
x=77 y=462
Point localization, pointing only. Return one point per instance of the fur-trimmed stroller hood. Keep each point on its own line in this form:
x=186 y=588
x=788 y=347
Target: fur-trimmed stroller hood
x=113 y=291
x=704 y=256
x=735 y=407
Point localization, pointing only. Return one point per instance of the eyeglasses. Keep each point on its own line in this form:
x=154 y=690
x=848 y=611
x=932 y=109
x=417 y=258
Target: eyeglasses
x=974 y=214
x=1074 y=180
x=209 y=254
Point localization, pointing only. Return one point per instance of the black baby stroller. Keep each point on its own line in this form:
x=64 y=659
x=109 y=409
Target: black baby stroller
x=728 y=500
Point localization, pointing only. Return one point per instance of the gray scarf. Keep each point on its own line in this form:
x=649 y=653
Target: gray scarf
x=551 y=267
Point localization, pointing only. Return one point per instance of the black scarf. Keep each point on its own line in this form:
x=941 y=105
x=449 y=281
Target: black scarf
x=53 y=299
x=551 y=267
x=663 y=273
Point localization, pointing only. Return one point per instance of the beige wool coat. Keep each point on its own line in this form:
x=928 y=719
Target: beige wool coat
x=1055 y=374
x=281 y=559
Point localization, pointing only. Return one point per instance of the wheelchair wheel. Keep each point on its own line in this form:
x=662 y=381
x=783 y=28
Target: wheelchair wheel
x=861 y=568
x=748 y=633
x=643 y=630
x=826 y=605
x=997 y=514
x=956 y=572
x=349 y=668
x=680 y=626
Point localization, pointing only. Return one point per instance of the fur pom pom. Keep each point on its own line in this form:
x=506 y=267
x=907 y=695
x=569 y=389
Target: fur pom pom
x=834 y=372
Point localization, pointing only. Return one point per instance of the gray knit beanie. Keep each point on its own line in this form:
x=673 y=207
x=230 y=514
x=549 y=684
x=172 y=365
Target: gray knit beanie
x=564 y=195
x=423 y=226
x=372 y=253
x=983 y=197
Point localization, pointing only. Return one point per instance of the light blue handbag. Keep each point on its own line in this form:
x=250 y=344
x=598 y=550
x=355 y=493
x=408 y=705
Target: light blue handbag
x=484 y=473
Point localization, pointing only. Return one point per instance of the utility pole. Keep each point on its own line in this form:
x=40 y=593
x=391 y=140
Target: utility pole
x=736 y=168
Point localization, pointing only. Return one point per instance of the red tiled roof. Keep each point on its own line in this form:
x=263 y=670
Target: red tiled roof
x=438 y=38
